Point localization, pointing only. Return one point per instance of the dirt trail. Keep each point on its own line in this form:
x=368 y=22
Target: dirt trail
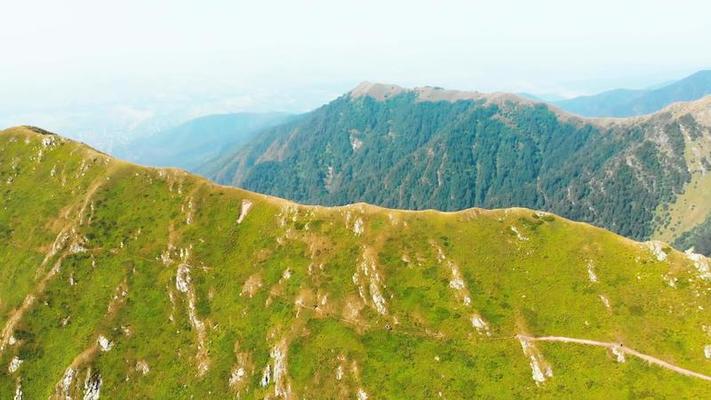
x=619 y=347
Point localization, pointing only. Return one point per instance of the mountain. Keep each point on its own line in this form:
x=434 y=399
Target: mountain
x=542 y=97
x=196 y=141
x=698 y=237
x=626 y=102
x=423 y=148
x=119 y=281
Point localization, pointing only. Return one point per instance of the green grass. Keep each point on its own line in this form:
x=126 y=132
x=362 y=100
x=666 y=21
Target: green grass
x=423 y=346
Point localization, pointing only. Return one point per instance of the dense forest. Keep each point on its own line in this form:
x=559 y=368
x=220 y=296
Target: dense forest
x=491 y=152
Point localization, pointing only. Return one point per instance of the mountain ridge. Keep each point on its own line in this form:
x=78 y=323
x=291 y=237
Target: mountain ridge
x=382 y=91
x=371 y=208
x=184 y=288
x=197 y=140
x=631 y=102
x=419 y=147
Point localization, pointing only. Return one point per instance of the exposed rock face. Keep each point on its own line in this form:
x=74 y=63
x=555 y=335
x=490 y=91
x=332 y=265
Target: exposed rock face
x=282 y=388
x=142 y=367
x=701 y=263
x=592 y=276
x=65 y=385
x=358 y=226
x=369 y=283
x=266 y=376
x=362 y=395
x=182 y=278
x=246 y=207
x=183 y=283
x=237 y=376
x=14 y=365
x=540 y=369
x=619 y=354
x=657 y=249
x=18 y=392
x=92 y=386
x=480 y=325
x=104 y=343
x=605 y=301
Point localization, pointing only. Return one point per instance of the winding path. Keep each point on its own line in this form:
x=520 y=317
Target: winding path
x=619 y=347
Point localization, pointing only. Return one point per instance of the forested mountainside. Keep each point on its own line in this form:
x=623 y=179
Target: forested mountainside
x=626 y=102
x=433 y=148
x=699 y=237
x=198 y=140
x=124 y=282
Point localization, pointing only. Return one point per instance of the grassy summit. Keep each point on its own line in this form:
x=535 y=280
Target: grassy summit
x=118 y=281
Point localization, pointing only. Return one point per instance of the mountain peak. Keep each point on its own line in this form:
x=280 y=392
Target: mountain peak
x=630 y=103
x=378 y=91
x=384 y=91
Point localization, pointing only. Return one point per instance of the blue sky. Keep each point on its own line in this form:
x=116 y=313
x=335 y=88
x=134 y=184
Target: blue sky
x=214 y=56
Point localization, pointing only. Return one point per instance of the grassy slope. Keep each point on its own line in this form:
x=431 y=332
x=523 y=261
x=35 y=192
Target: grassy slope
x=691 y=207
x=126 y=217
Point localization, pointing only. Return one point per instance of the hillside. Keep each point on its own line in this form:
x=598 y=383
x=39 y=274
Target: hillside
x=451 y=150
x=198 y=140
x=698 y=237
x=627 y=102
x=118 y=281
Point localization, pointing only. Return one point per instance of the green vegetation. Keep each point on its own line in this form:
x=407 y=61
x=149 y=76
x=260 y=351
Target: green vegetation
x=699 y=238
x=310 y=302
x=402 y=152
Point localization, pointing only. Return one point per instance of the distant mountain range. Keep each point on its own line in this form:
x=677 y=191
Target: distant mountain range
x=199 y=141
x=450 y=150
x=196 y=141
x=627 y=102
x=124 y=282
x=408 y=148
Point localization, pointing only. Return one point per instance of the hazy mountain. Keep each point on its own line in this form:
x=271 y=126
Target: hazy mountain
x=626 y=102
x=541 y=97
x=126 y=282
x=194 y=142
x=449 y=150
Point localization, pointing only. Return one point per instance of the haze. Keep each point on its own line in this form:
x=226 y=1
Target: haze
x=81 y=64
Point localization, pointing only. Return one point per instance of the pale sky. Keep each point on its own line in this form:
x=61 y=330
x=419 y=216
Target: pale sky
x=212 y=56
